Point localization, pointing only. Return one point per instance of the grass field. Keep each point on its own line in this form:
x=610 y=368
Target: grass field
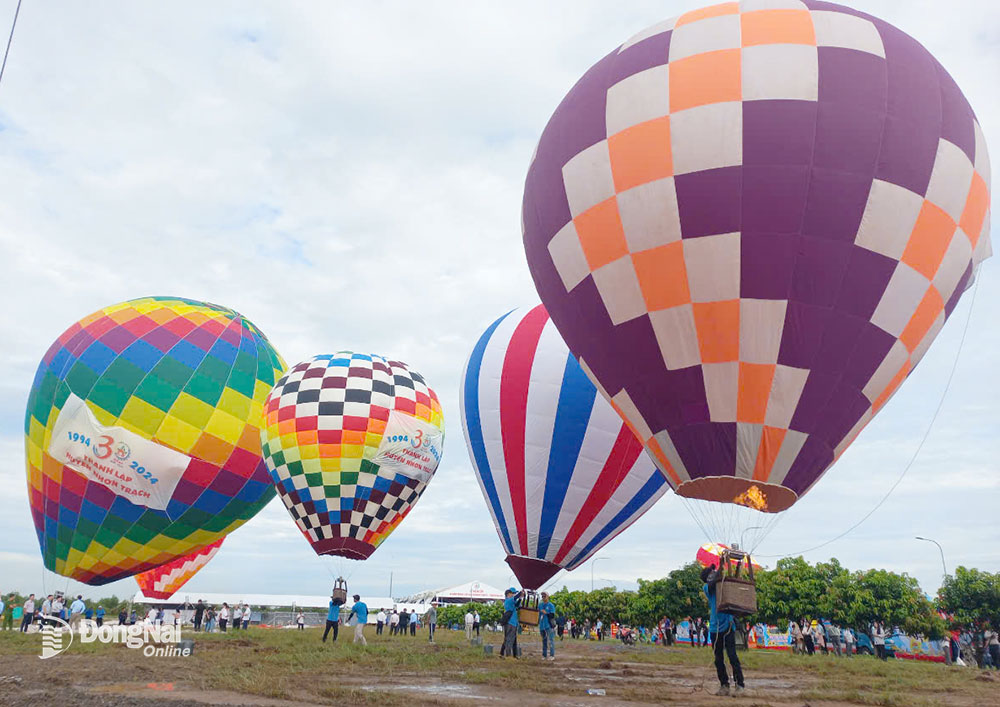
x=282 y=668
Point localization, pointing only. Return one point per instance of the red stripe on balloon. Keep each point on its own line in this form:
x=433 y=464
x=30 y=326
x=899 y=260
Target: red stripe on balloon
x=515 y=380
x=621 y=459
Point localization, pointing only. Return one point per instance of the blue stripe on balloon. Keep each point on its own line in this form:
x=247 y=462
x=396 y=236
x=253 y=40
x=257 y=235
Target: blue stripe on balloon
x=475 y=428
x=649 y=489
x=576 y=403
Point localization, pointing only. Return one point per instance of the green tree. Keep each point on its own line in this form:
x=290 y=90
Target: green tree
x=972 y=597
x=794 y=589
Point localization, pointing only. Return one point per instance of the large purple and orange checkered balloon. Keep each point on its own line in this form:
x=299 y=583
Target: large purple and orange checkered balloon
x=142 y=436
x=749 y=223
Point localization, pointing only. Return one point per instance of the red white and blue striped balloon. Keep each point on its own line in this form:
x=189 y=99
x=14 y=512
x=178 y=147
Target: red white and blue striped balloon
x=561 y=473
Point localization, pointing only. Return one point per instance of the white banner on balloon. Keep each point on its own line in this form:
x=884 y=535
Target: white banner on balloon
x=410 y=447
x=129 y=465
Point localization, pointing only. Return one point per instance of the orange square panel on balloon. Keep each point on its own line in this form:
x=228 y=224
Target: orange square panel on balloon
x=718 y=327
x=641 y=153
x=777 y=27
x=930 y=238
x=662 y=276
x=601 y=234
x=710 y=77
x=703 y=13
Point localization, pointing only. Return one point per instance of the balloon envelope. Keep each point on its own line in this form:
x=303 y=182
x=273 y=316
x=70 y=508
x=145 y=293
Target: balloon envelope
x=561 y=474
x=749 y=224
x=163 y=582
x=142 y=435
x=351 y=441
x=709 y=553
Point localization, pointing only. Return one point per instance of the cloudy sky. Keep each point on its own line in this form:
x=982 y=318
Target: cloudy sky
x=349 y=176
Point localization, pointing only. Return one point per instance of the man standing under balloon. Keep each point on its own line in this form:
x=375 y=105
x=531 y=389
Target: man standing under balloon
x=510 y=622
x=722 y=630
x=360 y=609
x=547 y=626
x=332 y=620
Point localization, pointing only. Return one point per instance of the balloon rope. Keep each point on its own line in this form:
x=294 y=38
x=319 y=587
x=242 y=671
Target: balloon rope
x=10 y=39
x=916 y=453
x=554 y=579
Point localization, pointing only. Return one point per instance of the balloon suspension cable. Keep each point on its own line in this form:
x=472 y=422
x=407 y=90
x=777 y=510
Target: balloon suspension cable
x=10 y=38
x=553 y=580
x=923 y=439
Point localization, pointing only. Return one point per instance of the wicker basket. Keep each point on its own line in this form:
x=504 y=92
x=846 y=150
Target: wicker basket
x=339 y=595
x=736 y=592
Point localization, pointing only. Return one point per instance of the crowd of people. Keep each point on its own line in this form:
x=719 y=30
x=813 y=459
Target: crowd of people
x=35 y=612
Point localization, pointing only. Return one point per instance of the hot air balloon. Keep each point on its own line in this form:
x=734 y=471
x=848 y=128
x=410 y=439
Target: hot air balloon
x=561 y=474
x=163 y=582
x=351 y=441
x=142 y=436
x=749 y=223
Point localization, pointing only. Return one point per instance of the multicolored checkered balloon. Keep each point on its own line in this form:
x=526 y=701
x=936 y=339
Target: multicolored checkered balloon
x=142 y=436
x=749 y=223
x=351 y=441
x=163 y=582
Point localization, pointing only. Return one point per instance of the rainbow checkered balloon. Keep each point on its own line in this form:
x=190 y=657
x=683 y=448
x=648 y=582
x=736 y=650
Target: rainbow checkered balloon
x=351 y=441
x=142 y=436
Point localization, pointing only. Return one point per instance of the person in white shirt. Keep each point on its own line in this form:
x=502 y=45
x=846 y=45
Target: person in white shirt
x=379 y=622
x=469 y=620
x=223 y=617
x=847 y=636
x=300 y=620
x=29 y=613
x=151 y=616
x=475 y=623
x=394 y=623
x=246 y=616
x=46 y=610
x=878 y=638
x=177 y=617
x=237 y=617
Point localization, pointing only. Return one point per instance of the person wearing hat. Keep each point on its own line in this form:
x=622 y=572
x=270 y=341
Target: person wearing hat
x=722 y=632
x=431 y=618
x=360 y=609
x=510 y=622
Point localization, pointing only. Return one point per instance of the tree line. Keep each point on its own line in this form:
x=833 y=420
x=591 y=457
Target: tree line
x=794 y=589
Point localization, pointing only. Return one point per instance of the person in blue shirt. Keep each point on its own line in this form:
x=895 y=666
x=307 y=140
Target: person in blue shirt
x=510 y=622
x=360 y=609
x=547 y=626
x=99 y=615
x=76 y=610
x=332 y=620
x=722 y=631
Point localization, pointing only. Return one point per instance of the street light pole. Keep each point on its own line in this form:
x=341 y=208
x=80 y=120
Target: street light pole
x=940 y=549
x=592 y=571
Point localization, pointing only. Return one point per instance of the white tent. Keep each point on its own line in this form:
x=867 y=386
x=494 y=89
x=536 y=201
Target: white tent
x=470 y=591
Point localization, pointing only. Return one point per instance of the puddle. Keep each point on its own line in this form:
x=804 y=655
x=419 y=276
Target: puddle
x=440 y=690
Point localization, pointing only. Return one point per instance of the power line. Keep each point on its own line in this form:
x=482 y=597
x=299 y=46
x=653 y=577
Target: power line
x=10 y=39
